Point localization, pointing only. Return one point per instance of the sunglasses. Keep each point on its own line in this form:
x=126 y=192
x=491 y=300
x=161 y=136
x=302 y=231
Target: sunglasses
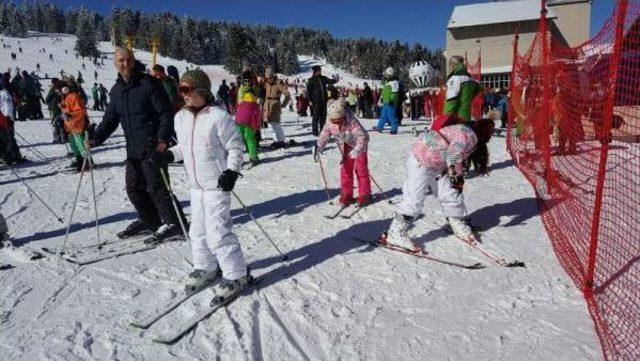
x=185 y=89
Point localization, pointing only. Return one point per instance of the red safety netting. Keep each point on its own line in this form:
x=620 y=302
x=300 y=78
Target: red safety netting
x=574 y=132
x=475 y=70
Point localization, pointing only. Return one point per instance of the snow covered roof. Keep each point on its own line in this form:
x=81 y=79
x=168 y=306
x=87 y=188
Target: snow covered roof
x=497 y=69
x=496 y=12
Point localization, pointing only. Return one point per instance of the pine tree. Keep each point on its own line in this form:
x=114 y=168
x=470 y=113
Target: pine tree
x=86 y=43
x=240 y=46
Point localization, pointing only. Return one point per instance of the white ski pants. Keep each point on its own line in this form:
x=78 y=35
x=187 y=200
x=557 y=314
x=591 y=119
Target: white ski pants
x=213 y=243
x=278 y=132
x=416 y=185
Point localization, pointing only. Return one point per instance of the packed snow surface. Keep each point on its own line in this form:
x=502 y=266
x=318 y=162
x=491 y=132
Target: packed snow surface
x=335 y=299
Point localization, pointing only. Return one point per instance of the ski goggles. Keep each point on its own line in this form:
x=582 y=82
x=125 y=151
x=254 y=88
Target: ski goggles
x=186 y=89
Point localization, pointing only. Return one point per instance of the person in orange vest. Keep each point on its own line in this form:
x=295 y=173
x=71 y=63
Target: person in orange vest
x=75 y=123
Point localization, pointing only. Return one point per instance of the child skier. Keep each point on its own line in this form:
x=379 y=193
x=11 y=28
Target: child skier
x=436 y=161
x=76 y=123
x=248 y=116
x=212 y=150
x=344 y=126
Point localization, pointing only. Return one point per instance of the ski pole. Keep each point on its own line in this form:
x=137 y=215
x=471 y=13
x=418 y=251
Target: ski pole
x=284 y=257
x=165 y=180
x=75 y=202
x=87 y=153
x=32 y=148
x=324 y=179
x=33 y=192
x=380 y=188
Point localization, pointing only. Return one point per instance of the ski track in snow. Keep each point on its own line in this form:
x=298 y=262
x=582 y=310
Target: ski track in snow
x=334 y=299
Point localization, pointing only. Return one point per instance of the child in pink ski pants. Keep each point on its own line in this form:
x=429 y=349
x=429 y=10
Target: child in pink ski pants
x=353 y=139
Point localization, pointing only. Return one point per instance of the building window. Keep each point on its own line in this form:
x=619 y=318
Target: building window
x=496 y=81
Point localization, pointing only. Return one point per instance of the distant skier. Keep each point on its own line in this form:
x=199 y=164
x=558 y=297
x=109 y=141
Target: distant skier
x=169 y=85
x=95 y=97
x=4 y=233
x=53 y=100
x=461 y=90
x=9 y=151
x=389 y=99
x=76 y=123
x=212 y=172
x=172 y=72
x=317 y=95
x=223 y=95
x=353 y=139
x=104 y=93
x=436 y=162
x=274 y=90
x=248 y=115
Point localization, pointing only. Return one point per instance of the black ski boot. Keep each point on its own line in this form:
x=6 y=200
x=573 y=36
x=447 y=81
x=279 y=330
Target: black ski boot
x=230 y=288
x=75 y=163
x=278 y=145
x=137 y=228
x=165 y=232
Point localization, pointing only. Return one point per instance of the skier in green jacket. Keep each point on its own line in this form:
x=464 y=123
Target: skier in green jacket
x=461 y=90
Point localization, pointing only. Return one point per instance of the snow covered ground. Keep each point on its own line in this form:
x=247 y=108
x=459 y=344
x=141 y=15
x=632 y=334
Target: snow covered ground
x=336 y=299
x=68 y=62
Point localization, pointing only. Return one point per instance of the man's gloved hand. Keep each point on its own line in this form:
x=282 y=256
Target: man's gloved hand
x=160 y=158
x=457 y=180
x=227 y=180
x=354 y=153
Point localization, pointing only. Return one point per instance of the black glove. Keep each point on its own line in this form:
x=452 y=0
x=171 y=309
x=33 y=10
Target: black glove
x=457 y=180
x=228 y=179
x=160 y=159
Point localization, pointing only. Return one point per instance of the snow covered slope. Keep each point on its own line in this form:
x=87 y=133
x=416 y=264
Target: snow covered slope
x=336 y=299
x=32 y=55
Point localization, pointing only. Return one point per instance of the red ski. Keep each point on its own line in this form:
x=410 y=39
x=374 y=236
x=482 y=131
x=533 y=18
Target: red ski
x=475 y=244
x=419 y=254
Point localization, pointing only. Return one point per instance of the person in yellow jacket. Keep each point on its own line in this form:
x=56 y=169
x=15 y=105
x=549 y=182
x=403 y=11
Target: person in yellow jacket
x=76 y=123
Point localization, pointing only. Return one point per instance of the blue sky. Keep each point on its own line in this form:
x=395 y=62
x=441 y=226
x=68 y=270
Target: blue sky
x=421 y=21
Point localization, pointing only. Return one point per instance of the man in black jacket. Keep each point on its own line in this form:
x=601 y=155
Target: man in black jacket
x=367 y=102
x=140 y=104
x=317 y=93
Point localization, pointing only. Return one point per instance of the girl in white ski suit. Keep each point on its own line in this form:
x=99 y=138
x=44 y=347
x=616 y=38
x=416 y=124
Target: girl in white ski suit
x=436 y=162
x=209 y=142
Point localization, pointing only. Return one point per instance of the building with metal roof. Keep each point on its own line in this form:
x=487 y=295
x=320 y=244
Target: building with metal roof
x=490 y=28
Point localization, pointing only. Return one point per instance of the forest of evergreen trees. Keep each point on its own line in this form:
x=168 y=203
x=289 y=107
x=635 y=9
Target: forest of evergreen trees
x=213 y=42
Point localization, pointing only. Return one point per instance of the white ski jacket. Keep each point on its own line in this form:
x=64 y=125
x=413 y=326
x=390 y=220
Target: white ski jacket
x=6 y=103
x=209 y=143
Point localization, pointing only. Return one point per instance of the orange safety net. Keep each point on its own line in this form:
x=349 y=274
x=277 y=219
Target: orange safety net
x=475 y=70
x=574 y=132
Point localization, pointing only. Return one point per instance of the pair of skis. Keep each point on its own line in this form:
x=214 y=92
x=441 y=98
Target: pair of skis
x=480 y=248
x=177 y=332
x=375 y=198
x=345 y=216
x=96 y=253
x=420 y=254
x=473 y=243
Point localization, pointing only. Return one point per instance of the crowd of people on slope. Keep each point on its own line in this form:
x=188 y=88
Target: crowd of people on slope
x=167 y=118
